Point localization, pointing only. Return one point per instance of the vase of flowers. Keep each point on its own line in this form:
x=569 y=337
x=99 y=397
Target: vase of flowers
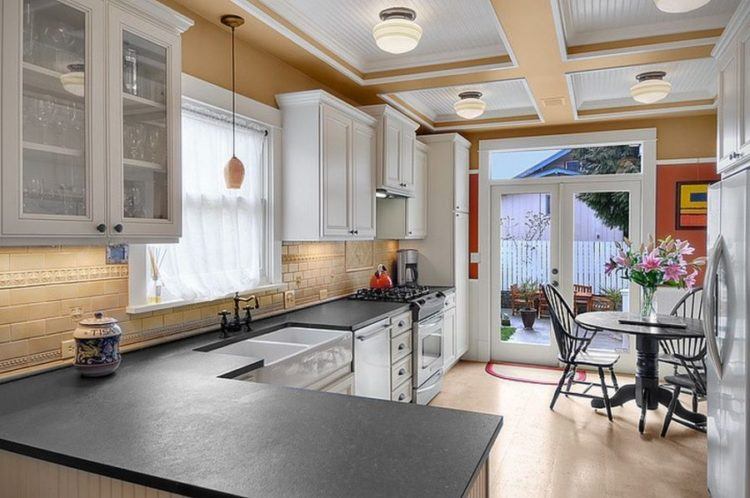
x=655 y=264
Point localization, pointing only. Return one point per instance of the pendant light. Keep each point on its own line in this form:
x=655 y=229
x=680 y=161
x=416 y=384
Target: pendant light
x=470 y=105
x=679 y=6
x=234 y=171
x=651 y=87
x=397 y=32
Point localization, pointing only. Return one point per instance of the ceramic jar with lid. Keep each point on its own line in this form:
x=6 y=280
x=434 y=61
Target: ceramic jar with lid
x=97 y=345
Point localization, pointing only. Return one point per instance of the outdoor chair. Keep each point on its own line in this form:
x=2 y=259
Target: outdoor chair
x=582 y=295
x=572 y=342
x=516 y=301
x=689 y=306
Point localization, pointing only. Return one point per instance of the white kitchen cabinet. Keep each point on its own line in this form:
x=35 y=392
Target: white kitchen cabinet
x=449 y=338
x=732 y=53
x=65 y=106
x=444 y=252
x=396 y=143
x=328 y=168
x=406 y=217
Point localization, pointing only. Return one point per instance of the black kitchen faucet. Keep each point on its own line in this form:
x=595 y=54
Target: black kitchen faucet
x=237 y=323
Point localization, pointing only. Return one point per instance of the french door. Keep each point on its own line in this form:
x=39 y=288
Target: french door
x=561 y=232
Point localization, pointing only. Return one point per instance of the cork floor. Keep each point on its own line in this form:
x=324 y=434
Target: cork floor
x=574 y=451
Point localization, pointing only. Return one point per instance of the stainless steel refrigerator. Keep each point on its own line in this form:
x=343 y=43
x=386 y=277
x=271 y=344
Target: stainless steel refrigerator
x=726 y=326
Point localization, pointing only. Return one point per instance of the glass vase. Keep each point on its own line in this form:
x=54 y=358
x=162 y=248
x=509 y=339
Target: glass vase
x=155 y=291
x=648 y=303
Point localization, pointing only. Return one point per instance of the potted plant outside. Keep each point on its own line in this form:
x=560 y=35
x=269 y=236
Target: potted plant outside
x=529 y=291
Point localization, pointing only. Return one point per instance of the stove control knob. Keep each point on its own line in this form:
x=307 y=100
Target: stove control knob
x=421 y=301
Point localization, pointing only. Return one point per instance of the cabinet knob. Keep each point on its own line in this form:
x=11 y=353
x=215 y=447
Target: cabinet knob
x=356 y=232
x=401 y=346
x=118 y=228
x=101 y=227
x=401 y=324
x=402 y=371
x=401 y=397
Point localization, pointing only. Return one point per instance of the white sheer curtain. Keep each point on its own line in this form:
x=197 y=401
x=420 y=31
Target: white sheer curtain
x=223 y=231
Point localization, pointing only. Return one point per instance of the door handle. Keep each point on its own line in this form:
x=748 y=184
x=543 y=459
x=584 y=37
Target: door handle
x=372 y=334
x=709 y=305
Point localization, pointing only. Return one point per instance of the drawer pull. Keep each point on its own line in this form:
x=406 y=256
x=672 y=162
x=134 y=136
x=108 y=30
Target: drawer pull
x=401 y=397
x=401 y=346
x=402 y=372
x=401 y=324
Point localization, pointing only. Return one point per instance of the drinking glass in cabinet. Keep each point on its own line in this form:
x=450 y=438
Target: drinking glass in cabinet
x=145 y=186
x=54 y=169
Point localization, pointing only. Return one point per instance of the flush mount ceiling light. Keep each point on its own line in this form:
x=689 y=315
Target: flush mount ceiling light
x=74 y=81
x=234 y=171
x=651 y=87
x=397 y=32
x=470 y=105
x=678 y=6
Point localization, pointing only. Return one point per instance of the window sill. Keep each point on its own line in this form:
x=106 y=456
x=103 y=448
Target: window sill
x=176 y=303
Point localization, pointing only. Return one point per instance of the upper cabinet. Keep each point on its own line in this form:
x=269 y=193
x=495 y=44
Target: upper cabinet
x=732 y=53
x=90 y=121
x=328 y=168
x=396 y=144
x=406 y=217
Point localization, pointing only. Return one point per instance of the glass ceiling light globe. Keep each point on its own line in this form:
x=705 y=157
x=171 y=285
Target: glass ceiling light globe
x=470 y=105
x=678 y=6
x=651 y=87
x=397 y=32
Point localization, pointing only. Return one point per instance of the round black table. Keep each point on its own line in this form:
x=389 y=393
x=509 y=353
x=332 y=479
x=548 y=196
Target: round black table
x=646 y=391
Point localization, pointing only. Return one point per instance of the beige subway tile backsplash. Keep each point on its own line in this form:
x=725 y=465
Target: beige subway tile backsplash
x=45 y=290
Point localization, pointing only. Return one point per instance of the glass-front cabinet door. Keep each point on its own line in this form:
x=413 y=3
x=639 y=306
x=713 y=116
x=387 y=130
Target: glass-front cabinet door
x=53 y=122
x=144 y=100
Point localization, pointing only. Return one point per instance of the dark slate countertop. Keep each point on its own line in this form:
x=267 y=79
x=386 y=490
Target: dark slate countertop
x=166 y=419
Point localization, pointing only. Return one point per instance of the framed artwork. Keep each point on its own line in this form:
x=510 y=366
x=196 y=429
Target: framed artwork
x=692 y=205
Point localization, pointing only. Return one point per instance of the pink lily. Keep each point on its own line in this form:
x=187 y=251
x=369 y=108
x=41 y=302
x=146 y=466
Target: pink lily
x=650 y=261
x=673 y=272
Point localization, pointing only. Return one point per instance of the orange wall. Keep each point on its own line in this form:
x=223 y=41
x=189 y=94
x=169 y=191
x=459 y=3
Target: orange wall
x=676 y=138
x=666 y=197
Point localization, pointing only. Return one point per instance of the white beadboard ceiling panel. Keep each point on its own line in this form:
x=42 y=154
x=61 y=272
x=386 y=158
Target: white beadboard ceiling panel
x=693 y=79
x=596 y=21
x=452 y=30
x=503 y=98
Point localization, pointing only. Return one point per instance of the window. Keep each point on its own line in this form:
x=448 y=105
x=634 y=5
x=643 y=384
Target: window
x=578 y=161
x=227 y=240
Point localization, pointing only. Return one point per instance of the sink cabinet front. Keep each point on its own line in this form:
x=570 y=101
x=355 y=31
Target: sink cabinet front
x=90 y=121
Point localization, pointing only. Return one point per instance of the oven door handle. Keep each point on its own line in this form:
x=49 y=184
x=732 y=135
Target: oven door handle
x=432 y=321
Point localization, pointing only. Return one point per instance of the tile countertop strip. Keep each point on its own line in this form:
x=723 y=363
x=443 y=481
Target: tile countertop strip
x=168 y=421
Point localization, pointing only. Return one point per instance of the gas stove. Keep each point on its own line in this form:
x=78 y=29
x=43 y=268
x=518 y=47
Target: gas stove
x=401 y=294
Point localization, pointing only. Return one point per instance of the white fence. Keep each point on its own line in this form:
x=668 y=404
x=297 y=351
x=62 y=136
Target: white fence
x=522 y=260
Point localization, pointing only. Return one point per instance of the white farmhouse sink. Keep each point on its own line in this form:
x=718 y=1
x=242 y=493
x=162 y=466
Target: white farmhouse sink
x=296 y=356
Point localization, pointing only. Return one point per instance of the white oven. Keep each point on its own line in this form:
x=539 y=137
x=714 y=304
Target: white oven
x=428 y=357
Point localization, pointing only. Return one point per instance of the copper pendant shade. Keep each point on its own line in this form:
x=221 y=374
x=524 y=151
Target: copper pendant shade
x=234 y=170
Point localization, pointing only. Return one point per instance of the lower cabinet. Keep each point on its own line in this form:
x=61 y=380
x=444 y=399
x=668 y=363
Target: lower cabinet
x=401 y=358
x=449 y=337
x=342 y=386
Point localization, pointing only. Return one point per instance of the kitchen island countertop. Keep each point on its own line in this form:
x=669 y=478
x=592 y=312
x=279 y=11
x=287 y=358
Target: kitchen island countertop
x=168 y=420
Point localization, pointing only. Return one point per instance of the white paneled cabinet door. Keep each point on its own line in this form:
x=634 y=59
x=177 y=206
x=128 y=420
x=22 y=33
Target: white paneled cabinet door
x=363 y=181
x=729 y=109
x=416 y=206
x=335 y=153
x=461 y=256
x=392 y=131
x=53 y=128
x=449 y=336
x=462 y=178
x=144 y=112
x=406 y=163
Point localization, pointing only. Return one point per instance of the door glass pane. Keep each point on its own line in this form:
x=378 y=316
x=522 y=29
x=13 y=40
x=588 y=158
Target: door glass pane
x=53 y=109
x=601 y=219
x=582 y=161
x=525 y=265
x=145 y=143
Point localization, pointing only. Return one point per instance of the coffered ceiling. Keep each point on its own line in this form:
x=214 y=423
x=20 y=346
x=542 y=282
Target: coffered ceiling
x=537 y=62
x=454 y=31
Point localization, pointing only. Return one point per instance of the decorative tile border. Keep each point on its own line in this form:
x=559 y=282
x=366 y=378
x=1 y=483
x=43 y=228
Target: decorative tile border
x=303 y=258
x=29 y=278
x=25 y=361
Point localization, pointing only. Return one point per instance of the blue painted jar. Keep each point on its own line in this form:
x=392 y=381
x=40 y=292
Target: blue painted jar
x=97 y=345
